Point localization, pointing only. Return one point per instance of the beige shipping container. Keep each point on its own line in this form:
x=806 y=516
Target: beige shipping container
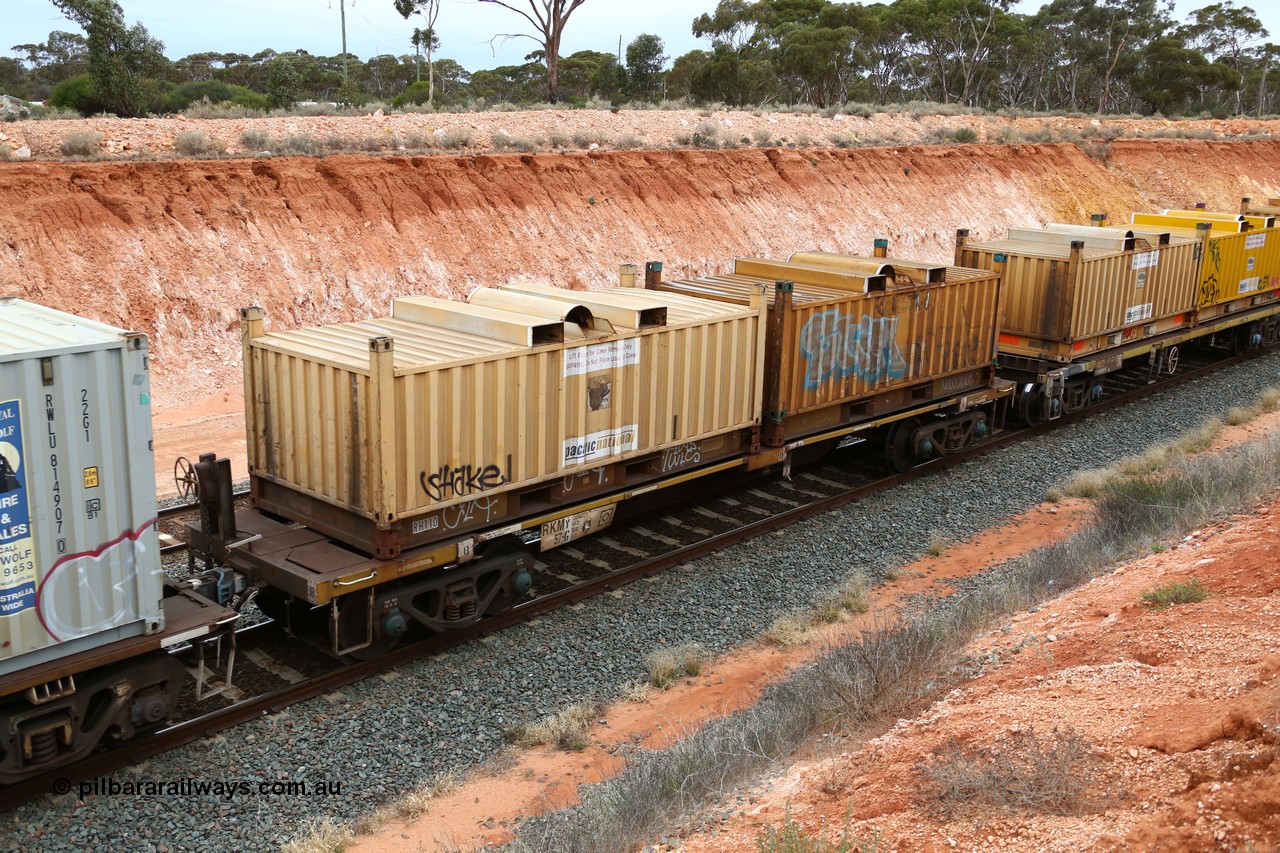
x=368 y=431
x=1069 y=294
x=853 y=338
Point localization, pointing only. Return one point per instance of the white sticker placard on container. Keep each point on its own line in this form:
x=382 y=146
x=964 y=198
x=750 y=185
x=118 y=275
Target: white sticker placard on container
x=593 y=357
x=1255 y=241
x=1249 y=285
x=1137 y=313
x=601 y=445
x=1142 y=260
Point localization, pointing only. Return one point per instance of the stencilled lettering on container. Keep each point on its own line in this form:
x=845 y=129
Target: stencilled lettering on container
x=1142 y=260
x=606 y=356
x=602 y=444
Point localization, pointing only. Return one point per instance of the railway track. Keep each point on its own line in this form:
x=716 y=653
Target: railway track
x=726 y=514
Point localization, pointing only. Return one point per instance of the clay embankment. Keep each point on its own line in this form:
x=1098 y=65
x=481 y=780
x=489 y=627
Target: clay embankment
x=175 y=248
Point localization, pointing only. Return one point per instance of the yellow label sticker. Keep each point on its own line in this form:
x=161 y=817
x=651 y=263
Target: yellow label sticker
x=91 y=478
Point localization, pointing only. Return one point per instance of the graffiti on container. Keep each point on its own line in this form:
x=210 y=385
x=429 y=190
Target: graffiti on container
x=457 y=481
x=679 y=457
x=96 y=590
x=480 y=510
x=837 y=345
x=1209 y=290
x=591 y=479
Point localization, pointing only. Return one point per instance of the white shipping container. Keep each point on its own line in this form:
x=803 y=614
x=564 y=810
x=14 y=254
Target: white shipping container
x=79 y=559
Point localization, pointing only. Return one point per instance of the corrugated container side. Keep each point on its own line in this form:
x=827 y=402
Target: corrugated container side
x=430 y=435
x=79 y=560
x=1239 y=266
x=833 y=347
x=851 y=348
x=1047 y=299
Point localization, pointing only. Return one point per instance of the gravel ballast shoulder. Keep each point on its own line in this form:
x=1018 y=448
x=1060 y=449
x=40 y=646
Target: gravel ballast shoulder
x=381 y=738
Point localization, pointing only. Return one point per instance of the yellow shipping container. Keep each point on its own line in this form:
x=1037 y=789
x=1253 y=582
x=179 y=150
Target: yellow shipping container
x=1241 y=266
x=388 y=433
x=1069 y=293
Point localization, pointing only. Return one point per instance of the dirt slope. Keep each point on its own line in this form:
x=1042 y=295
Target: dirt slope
x=1181 y=707
x=176 y=248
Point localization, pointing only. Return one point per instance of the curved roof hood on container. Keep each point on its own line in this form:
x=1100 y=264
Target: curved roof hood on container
x=493 y=323
x=872 y=278
x=629 y=309
x=918 y=272
x=578 y=319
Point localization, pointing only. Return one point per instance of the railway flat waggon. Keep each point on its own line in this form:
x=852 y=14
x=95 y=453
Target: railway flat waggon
x=408 y=469
x=856 y=342
x=1083 y=301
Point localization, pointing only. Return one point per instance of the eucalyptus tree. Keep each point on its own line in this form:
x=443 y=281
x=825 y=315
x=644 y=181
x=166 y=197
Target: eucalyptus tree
x=124 y=62
x=423 y=38
x=548 y=19
x=1228 y=35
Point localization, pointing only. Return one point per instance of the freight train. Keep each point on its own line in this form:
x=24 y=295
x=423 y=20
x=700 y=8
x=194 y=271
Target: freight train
x=406 y=470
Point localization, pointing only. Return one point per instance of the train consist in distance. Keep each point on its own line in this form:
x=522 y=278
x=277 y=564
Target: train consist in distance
x=405 y=470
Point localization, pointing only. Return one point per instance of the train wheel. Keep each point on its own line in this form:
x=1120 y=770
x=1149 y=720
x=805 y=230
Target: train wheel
x=352 y=628
x=1031 y=407
x=899 y=454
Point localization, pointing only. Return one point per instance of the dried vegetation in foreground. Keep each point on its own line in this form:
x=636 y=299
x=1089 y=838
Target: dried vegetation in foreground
x=898 y=664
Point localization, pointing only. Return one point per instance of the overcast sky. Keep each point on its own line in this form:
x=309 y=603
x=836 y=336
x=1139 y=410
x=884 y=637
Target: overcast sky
x=374 y=27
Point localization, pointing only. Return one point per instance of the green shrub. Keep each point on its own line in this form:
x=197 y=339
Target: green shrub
x=255 y=140
x=76 y=94
x=82 y=144
x=193 y=143
x=1169 y=594
x=456 y=138
x=965 y=135
x=213 y=92
x=416 y=95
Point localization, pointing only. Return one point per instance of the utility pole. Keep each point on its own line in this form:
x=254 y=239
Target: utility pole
x=342 y=11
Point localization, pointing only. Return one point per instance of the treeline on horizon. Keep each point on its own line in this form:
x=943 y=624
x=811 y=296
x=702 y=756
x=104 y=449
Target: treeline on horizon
x=1104 y=56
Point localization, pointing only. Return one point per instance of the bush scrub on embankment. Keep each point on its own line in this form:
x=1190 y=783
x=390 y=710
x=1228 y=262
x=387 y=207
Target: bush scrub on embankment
x=896 y=664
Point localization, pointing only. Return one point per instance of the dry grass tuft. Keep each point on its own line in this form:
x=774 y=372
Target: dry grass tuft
x=1025 y=772
x=667 y=665
x=81 y=144
x=790 y=629
x=324 y=835
x=566 y=730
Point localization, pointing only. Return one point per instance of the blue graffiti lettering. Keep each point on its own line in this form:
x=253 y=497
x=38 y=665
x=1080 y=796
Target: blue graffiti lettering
x=836 y=345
